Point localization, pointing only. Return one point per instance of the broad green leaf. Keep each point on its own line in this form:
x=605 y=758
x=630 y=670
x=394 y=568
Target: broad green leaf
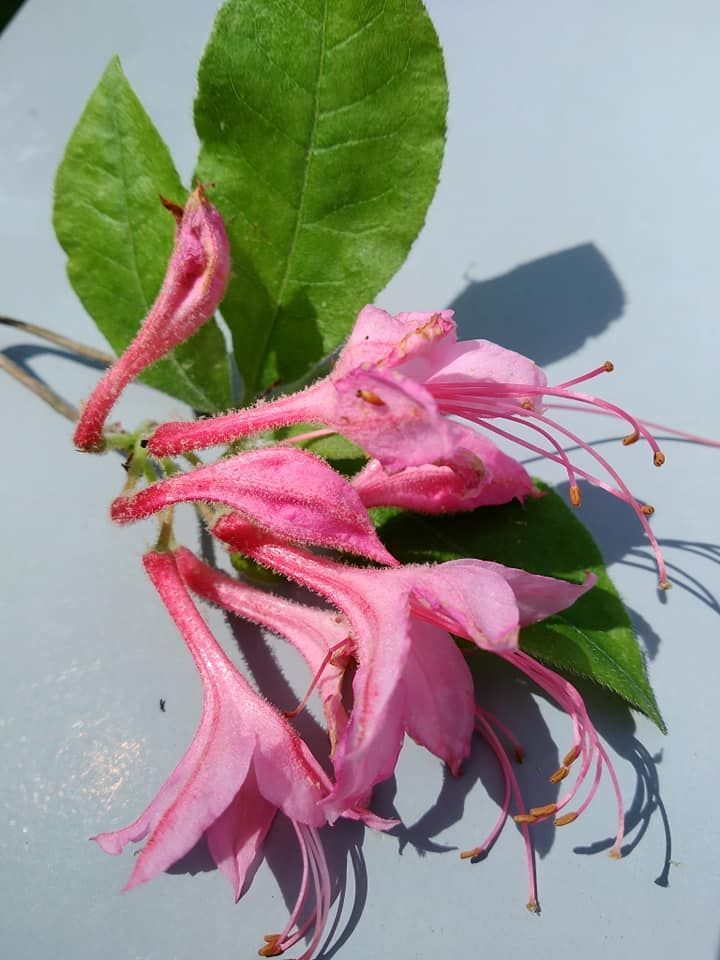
x=594 y=638
x=322 y=124
x=118 y=236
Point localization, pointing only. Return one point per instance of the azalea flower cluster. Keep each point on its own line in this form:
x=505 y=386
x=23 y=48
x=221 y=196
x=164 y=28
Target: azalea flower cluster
x=389 y=627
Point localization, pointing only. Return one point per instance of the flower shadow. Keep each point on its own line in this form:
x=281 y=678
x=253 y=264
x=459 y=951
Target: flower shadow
x=617 y=727
x=545 y=309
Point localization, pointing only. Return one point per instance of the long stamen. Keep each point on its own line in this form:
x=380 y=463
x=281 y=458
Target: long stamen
x=315 y=868
x=650 y=424
x=606 y=367
x=569 y=698
x=333 y=651
x=622 y=494
x=484 y=728
x=486 y=390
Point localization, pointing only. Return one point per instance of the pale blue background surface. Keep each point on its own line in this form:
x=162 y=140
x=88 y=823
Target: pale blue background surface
x=577 y=220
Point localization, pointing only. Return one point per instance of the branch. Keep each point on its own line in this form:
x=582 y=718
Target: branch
x=59 y=340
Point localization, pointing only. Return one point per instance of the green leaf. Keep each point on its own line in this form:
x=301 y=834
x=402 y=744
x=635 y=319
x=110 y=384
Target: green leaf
x=118 y=237
x=594 y=638
x=322 y=124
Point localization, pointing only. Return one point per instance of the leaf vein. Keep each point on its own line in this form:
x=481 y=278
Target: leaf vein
x=303 y=192
x=360 y=30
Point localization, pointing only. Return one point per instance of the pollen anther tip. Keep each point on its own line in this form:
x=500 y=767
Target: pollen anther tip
x=565 y=819
x=658 y=458
x=524 y=818
x=609 y=366
x=615 y=854
x=631 y=438
x=575 y=497
x=471 y=854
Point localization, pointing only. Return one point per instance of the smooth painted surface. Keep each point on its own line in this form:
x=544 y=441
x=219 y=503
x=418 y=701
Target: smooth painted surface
x=577 y=221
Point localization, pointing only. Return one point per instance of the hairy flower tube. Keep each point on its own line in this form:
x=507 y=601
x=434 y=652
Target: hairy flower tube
x=194 y=284
x=288 y=491
x=244 y=764
x=399 y=378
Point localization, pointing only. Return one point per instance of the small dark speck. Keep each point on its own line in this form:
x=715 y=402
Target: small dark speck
x=162 y=704
x=144 y=442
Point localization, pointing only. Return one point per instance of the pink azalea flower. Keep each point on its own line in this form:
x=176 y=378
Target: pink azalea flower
x=410 y=675
x=244 y=764
x=397 y=381
x=288 y=491
x=194 y=285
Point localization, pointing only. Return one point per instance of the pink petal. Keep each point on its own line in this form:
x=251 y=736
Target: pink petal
x=194 y=285
x=537 y=597
x=481 y=360
x=468 y=598
x=235 y=839
x=479 y=475
x=312 y=631
x=439 y=698
x=288 y=491
x=380 y=339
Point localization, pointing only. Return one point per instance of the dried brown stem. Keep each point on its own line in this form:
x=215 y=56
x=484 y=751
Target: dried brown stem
x=59 y=340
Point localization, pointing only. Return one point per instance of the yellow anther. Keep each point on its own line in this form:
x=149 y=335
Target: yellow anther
x=565 y=819
x=369 y=397
x=631 y=438
x=524 y=818
x=559 y=774
x=658 y=458
x=648 y=509
x=575 y=498
x=571 y=756
x=469 y=854
x=271 y=948
x=609 y=366
x=544 y=811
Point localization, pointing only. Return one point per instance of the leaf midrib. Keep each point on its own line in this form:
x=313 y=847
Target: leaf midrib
x=262 y=353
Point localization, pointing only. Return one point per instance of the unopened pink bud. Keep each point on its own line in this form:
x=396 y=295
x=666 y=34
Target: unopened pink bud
x=193 y=287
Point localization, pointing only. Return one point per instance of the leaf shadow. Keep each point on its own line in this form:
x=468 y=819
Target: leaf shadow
x=546 y=308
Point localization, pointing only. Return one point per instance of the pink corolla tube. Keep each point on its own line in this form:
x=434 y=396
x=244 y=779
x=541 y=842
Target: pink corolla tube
x=194 y=284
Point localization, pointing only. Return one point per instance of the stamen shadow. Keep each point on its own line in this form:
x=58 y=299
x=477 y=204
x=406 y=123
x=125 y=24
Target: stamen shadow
x=519 y=710
x=617 y=728
x=623 y=542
